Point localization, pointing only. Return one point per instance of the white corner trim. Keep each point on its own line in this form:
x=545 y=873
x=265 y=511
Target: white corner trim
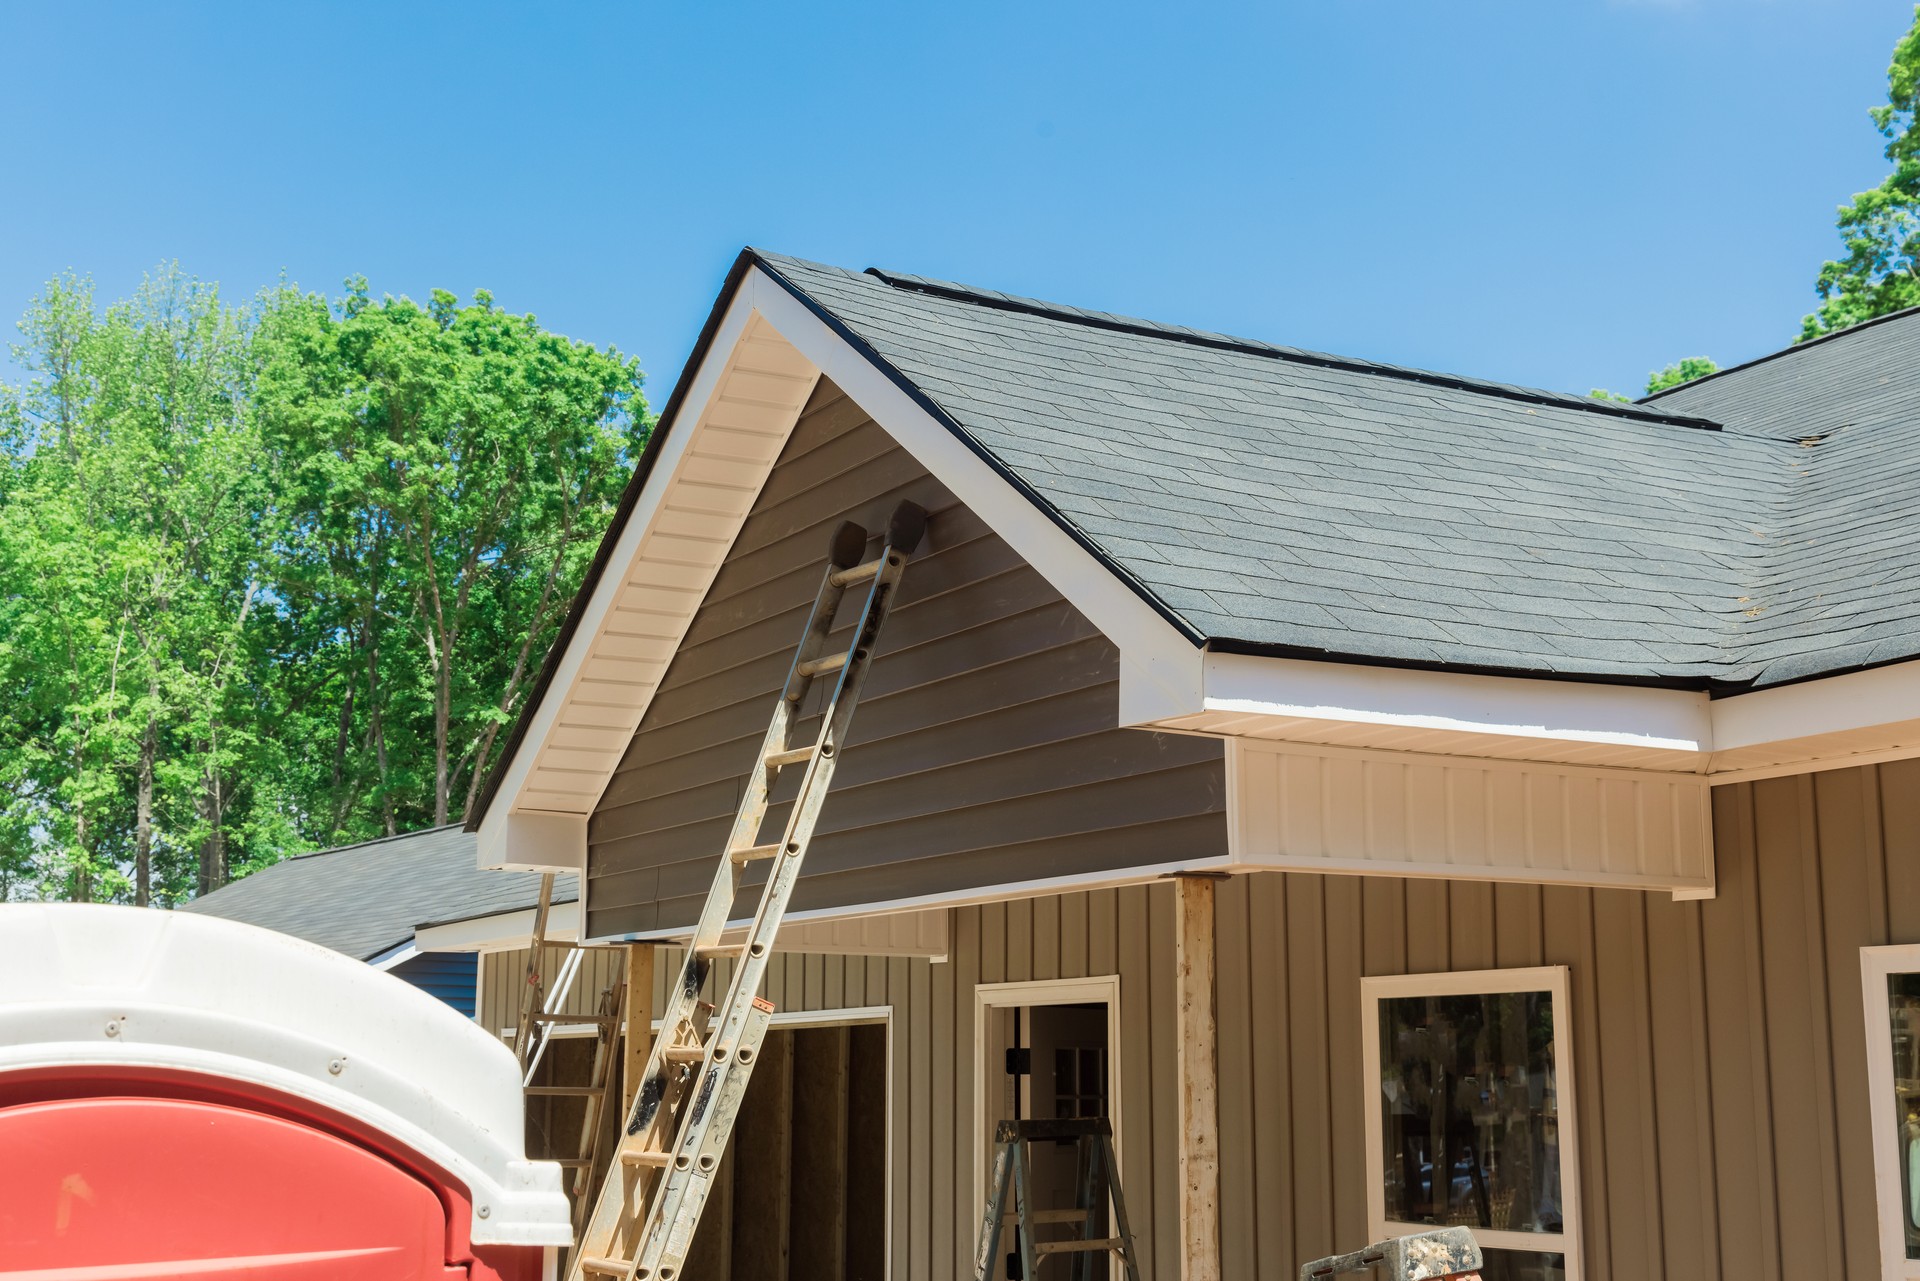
x=1509 y=706
x=1831 y=704
x=1160 y=668
x=1877 y=965
x=529 y=841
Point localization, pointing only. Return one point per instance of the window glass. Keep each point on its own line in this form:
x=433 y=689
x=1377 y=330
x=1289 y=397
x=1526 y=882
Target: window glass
x=1471 y=1122
x=1903 y=1003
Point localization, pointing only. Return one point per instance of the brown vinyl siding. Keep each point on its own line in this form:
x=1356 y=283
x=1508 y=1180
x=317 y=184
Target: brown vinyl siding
x=1719 y=1045
x=984 y=752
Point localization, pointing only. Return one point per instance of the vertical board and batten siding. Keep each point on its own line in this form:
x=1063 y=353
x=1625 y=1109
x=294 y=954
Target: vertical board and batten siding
x=985 y=751
x=503 y=977
x=1126 y=931
x=1719 y=1045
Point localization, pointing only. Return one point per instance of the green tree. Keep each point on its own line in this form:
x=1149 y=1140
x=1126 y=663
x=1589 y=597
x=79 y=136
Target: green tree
x=1684 y=371
x=1881 y=228
x=275 y=576
x=449 y=469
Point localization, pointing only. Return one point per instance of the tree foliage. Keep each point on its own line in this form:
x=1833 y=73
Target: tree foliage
x=274 y=576
x=1880 y=229
x=1683 y=371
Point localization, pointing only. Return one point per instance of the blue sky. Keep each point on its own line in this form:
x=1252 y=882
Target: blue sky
x=1564 y=193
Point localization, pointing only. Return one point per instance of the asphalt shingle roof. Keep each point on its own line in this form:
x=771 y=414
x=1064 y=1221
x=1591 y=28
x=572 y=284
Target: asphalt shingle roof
x=365 y=900
x=1277 y=500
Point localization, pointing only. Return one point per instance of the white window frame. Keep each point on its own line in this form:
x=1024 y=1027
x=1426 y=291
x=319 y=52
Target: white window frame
x=1877 y=965
x=1100 y=989
x=1551 y=979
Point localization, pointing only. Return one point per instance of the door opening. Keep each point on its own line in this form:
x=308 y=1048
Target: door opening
x=1047 y=1053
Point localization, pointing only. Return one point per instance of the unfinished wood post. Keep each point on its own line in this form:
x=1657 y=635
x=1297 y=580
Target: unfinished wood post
x=639 y=1033
x=1198 y=1079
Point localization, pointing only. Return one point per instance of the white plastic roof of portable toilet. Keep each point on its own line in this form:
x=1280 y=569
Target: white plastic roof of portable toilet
x=126 y=987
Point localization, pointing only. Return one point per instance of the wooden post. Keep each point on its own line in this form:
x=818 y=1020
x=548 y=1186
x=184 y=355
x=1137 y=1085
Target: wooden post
x=1198 y=1075
x=639 y=1036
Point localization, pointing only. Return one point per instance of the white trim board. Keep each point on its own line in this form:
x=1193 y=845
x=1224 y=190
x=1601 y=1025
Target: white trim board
x=1877 y=965
x=1552 y=979
x=1099 y=989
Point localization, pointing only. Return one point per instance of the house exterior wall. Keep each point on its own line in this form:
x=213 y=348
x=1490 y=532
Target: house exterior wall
x=984 y=752
x=1718 y=1045
x=503 y=977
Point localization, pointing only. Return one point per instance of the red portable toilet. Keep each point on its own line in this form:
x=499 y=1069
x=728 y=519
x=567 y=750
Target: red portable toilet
x=187 y=1097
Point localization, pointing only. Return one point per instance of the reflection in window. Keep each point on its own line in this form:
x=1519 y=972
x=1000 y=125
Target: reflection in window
x=1471 y=1118
x=1903 y=1002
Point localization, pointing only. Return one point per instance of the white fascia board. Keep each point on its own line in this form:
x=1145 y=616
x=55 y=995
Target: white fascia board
x=1159 y=668
x=530 y=841
x=1508 y=706
x=500 y=932
x=1830 y=705
x=493 y=836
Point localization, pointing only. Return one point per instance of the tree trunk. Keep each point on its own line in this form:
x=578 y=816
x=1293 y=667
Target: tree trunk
x=442 y=714
x=143 y=817
x=213 y=850
x=82 y=874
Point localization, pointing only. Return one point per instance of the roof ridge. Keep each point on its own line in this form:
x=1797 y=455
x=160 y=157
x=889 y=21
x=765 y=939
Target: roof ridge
x=1633 y=411
x=1788 y=350
x=377 y=840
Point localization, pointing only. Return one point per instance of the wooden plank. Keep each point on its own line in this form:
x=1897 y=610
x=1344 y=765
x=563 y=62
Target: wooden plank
x=760 y=1233
x=1306 y=947
x=1135 y=1058
x=1237 y=1072
x=1163 y=1077
x=1196 y=1075
x=818 y=1192
x=1624 y=1083
x=1273 y=1083
x=638 y=1036
x=1846 y=818
x=1346 y=1093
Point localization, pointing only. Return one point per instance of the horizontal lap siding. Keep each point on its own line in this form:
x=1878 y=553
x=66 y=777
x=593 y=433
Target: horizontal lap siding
x=984 y=752
x=1719 y=1045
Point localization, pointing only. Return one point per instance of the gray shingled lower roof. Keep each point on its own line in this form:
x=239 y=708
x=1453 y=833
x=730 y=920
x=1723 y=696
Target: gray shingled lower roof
x=1276 y=500
x=365 y=900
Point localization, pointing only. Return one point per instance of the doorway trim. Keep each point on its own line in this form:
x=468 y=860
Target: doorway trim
x=1101 y=989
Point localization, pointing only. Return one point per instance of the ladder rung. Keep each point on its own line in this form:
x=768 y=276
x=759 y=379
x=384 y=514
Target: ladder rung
x=543 y=1016
x=567 y=1091
x=822 y=665
x=640 y=1156
x=858 y=573
x=1076 y=1247
x=1050 y=1216
x=605 y=1267
x=719 y=952
x=753 y=852
x=792 y=756
x=684 y=1053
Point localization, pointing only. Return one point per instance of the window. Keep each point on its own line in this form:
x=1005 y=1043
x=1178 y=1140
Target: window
x=1470 y=1115
x=1891 y=983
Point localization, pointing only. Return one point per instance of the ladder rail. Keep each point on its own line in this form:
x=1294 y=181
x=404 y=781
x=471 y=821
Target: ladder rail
x=684 y=1184
x=682 y=1117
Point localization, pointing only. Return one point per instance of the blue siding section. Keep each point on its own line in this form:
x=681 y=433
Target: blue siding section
x=454 y=977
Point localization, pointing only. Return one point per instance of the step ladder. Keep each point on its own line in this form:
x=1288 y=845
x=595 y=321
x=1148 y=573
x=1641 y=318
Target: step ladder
x=1098 y=1182
x=696 y=1075
x=542 y=1008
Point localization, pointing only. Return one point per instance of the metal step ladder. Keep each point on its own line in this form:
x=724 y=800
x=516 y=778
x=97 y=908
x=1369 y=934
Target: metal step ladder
x=542 y=1008
x=1098 y=1182
x=696 y=1075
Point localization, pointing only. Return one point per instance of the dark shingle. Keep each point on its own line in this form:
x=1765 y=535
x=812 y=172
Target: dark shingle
x=1571 y=536
x=365 y=900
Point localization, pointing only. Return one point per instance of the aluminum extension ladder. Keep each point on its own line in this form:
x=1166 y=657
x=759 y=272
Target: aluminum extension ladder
x=663 y=1166
x=1098 y=1180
